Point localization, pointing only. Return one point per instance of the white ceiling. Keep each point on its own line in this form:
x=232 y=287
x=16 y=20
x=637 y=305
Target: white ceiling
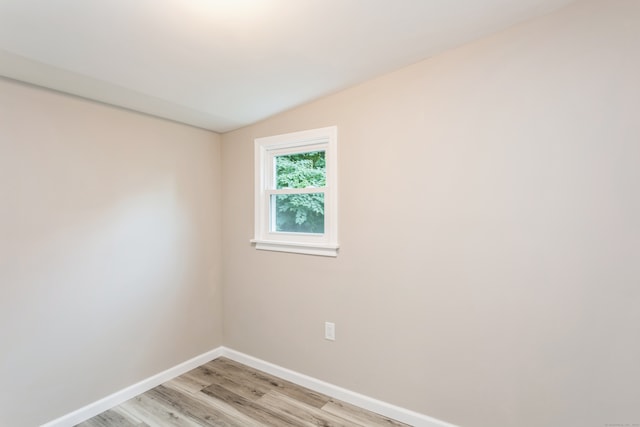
x=223 y=64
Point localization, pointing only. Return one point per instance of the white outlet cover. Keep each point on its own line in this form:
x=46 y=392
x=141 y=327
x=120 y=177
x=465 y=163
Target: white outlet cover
x=330 y=331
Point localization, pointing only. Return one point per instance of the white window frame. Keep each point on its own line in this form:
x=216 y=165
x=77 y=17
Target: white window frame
x=266 y=149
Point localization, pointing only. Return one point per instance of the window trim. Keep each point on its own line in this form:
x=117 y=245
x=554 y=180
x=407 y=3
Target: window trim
x=266 y=148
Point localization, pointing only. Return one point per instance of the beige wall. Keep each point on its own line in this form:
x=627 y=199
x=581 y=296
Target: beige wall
x=489 y=226
x=110 y=261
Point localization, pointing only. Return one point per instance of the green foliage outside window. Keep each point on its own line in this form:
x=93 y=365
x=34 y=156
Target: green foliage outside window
x=302 y=213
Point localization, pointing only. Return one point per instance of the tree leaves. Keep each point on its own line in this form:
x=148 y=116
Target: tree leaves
x=303 y=213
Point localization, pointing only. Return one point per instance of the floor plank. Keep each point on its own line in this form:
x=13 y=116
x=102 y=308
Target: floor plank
x=269 y=382
x=154 y=413
x=239 y=384
x=111 y=418
x=261 y=414
x=202 y=414
x=228 y=409
x=303 y=414
x=358 y=415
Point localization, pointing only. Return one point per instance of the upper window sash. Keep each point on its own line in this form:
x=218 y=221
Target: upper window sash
x=272 y=153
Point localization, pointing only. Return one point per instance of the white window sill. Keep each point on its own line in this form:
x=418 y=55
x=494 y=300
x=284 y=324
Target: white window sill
x=298 y=248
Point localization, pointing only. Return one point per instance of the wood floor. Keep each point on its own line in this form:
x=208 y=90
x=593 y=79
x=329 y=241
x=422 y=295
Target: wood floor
x=226 y=393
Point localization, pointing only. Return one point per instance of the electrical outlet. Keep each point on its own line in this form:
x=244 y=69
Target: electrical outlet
x=330 y=331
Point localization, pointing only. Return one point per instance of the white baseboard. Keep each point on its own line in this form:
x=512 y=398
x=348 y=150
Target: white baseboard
x=386 y=409
x=123 y=395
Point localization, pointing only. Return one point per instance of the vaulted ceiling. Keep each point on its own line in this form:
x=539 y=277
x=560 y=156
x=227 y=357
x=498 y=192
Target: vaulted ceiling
x=223 y=64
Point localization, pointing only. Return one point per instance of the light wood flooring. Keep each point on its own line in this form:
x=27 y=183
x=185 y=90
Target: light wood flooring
x=227 y=394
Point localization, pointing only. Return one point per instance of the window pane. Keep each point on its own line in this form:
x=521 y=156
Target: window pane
x=302 y=170
x=298 y=213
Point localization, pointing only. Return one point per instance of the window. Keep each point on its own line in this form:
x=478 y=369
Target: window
x=296 y=192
